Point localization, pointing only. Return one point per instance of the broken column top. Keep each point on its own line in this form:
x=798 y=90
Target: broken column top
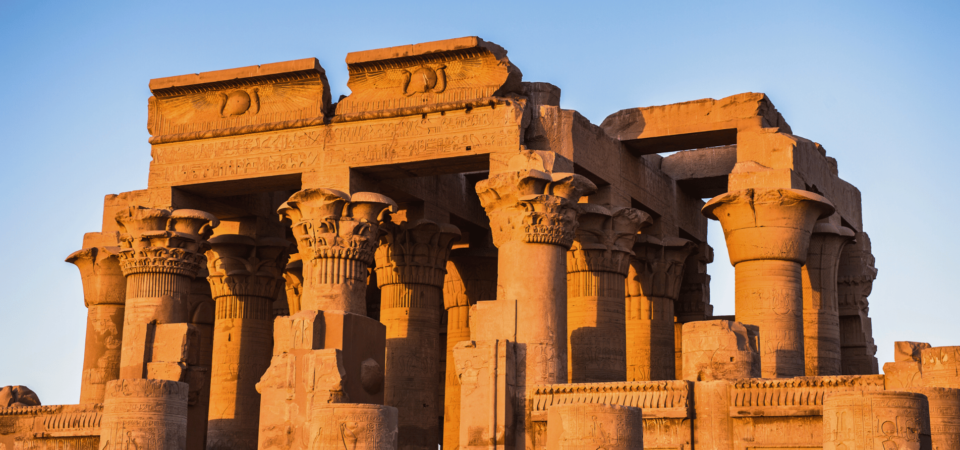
x=458 y=71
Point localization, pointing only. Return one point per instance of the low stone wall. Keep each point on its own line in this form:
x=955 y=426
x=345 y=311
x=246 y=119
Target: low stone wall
x=667 y=407
x=60 y=427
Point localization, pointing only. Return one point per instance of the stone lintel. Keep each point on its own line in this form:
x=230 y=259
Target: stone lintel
x=216 y=77
x=406 y=51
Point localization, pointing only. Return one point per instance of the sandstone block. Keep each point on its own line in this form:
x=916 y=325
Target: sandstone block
x=862 y=420
x=144 y=414
x=719 y=350
x=901 y=375
x=13 y=396
x=487 y=371
x=904 y=351
x=591 y=426
x=939 y=367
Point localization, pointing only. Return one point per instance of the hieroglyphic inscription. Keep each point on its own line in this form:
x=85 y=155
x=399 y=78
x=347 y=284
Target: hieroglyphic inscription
x=351 y=144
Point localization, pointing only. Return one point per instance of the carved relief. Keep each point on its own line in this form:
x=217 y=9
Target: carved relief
x=162 y=241
x=237 y=101
x=591 y=426
x=144 y=414
x=887 y=420
x=454 y=70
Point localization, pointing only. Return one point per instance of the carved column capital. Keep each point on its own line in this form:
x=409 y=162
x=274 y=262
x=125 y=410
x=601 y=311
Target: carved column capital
x=855 y=275
x=414 y=253
x=103 y=281
x=293 y=275
x=471 y=276
x=768 y=224
x=604 y=239
x=242 y=266
x=162 y=241
x=329 y=224
x=533 y=206
x=656 y=268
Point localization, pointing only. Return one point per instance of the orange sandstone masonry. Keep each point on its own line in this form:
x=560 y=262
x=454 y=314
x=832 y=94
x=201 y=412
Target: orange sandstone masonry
x=447 y=257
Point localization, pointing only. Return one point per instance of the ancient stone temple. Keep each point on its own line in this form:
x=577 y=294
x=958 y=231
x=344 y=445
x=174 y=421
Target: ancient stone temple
x=446 y=257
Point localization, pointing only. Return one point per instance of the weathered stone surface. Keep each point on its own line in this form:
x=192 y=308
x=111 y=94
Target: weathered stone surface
x=939 y=367
x=590 y=426
x=821 y=315
x=144 y=414
x=14 y=396
x=488 y=388
x=720 y=350
x=768 y=237
x=870 y=420
x=855 y=282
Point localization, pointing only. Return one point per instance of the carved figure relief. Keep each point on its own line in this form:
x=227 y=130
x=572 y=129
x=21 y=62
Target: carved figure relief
x=423 y=80
x=240 y=102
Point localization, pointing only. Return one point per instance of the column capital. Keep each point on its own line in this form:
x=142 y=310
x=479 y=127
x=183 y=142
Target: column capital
x=163 y=241
x=856 y=274
x=656 y=268
x=414 y=253
x=293 y=275
x=768 y=224
x=103 y=281
x=246 y=267
x=604 y=239
x=533 y=206
x=329 y=224
x=471 y=276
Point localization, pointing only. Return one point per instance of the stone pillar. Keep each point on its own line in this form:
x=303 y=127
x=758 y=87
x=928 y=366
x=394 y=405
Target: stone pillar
x=653 y=285
x=855 y=282
x=202 y=316
x=104 y=295
x=336 y=237
x=161 y=252
x=596 y=270
x=338 y=426
x=471 y=276
x=293 y=275
x=821 y=318
x=719 y=350
x=768 y=236
x=411 y=264
x=944 y=416
x=144 y=414
x=870 y=420
x=594 y=426
x=246 y=275
x=533 y=217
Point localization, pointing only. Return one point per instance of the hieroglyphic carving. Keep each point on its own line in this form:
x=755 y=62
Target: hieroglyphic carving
x=144 y=414
x=440 y=72
x=939 y=367
x=876 y=420
x=237 y=100
x=353 y=426
x=593 y=426
x=482 y=130
x=719 y=350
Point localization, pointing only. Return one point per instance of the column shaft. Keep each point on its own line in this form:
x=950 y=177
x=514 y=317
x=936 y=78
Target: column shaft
x=769 y=294
x=151 y=298
x=101 y=353
x=821 y=316
x=596 y=327
x=650 y=339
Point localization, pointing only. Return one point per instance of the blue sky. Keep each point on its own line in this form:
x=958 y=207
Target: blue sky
x=876 y=83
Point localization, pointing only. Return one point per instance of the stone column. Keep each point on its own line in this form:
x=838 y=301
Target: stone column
x=411 y=264
x=821 y=319
x=144 y=414
x=653 y=285
x=161 y=252
x=944 y=416
x=870 y=420
x=202 y=316
x=293 y=275
x=694 y=301
x=354 y=426
x=855 y=282
x=596 y=270
x=246 y=275
x=471 y=276
x=533 y=217
x=768 y=236
x=104 y=295
x=336 y=237
x=594 y=426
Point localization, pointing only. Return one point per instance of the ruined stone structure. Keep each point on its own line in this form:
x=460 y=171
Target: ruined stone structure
x=447 y=257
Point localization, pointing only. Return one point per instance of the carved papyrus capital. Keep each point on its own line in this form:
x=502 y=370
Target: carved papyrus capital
x=604 y=238
x=855 y=275
x=414 y=253
x=471 y=276
x=103 y=281
x=533 y=206
x=656 y=269
x=162 y=241
x=331 y=225
x=241 y=266
x=768 y=224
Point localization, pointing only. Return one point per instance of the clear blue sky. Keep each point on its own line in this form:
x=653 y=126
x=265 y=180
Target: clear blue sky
x=875 y=82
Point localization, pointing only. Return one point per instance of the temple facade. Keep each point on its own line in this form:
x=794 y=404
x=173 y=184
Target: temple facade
x=446 y=257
